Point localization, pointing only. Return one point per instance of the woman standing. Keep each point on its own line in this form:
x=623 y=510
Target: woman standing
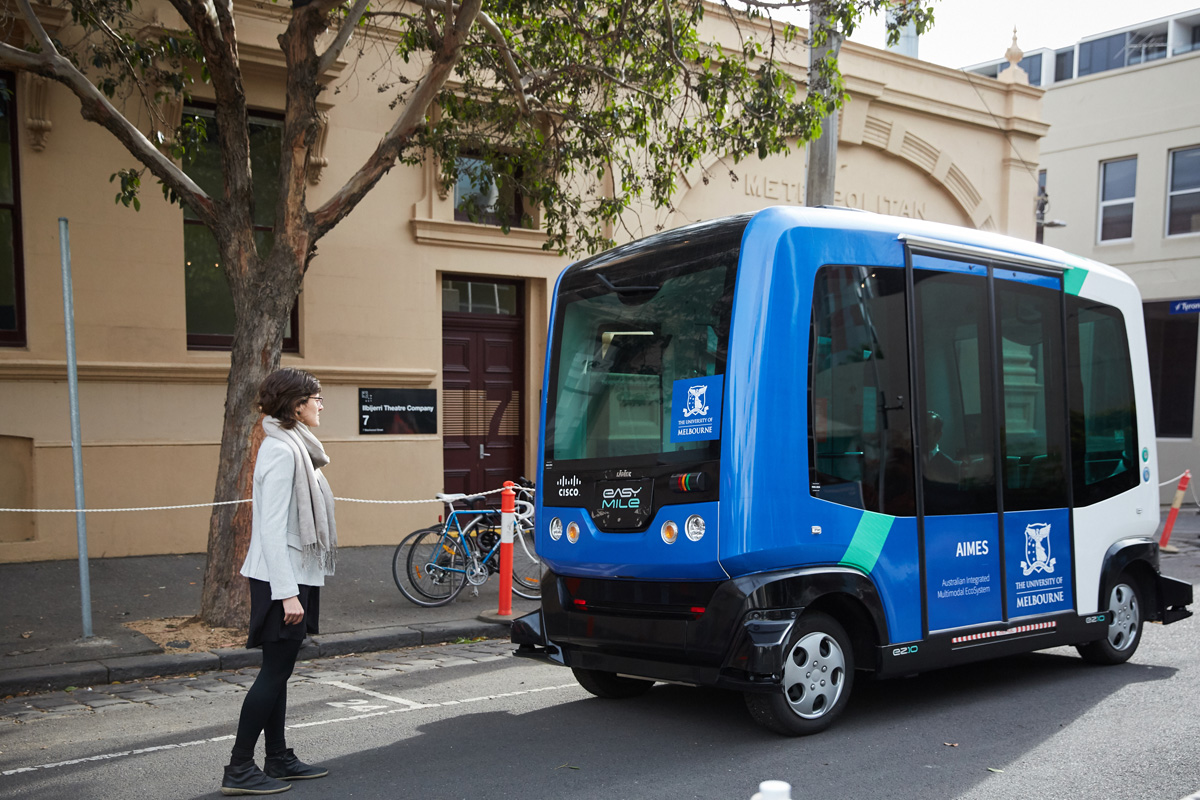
x=293 y=546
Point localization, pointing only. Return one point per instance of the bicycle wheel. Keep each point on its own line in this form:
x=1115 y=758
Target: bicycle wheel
x=437 y=567
x=527 y=567
x=400 y=569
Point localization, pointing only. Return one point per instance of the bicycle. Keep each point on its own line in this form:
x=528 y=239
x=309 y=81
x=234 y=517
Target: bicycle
x=431 y=566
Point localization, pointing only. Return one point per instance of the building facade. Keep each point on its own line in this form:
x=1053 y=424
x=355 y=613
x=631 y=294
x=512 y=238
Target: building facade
x=426 y=329
x=1121 y=172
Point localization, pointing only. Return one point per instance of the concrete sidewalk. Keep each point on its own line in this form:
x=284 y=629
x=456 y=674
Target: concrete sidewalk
x=361 y=611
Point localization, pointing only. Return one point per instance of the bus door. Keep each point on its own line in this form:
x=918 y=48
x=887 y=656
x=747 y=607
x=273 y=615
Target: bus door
x=991 y=432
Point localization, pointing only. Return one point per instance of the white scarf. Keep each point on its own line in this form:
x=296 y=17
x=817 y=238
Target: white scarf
x=310 y=489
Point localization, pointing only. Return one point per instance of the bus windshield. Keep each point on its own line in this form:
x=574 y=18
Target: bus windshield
x=627 y=329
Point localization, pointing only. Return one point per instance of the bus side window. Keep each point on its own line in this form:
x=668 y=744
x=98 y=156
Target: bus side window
x=860 y=439
x=1104 y=443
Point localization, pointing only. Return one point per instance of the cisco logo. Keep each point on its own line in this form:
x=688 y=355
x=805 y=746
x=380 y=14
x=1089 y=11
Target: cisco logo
x=569 y=487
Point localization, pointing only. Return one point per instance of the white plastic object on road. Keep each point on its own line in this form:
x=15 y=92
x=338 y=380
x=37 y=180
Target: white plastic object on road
x=773 y=790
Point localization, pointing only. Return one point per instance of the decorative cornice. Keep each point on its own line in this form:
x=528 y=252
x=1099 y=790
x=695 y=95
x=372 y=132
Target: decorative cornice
x=207 y=373
x=483 y=237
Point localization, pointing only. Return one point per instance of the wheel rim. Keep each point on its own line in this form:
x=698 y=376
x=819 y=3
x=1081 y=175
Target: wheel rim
x=1122 y=630
x=813 y=675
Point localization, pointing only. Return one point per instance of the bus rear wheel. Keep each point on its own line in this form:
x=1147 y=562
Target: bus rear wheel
x=610 y=685
x=1124 y=629
x=818 y=674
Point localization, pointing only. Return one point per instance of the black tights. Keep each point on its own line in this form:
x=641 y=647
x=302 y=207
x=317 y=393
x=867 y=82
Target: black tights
x=265 y=706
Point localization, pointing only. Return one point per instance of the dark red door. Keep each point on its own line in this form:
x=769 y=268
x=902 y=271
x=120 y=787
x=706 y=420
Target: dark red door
x=482 y=417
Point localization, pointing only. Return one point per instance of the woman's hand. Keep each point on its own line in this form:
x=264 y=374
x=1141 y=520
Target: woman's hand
x=293 y=612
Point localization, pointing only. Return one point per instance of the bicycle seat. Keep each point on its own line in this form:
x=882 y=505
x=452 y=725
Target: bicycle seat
x=451 y=498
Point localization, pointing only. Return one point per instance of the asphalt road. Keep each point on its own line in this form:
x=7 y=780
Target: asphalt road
x=469 y=721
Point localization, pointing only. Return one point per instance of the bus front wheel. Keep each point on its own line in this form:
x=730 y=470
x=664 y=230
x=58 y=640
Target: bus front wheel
x=610 y=685
x=1124 y=629
x=818 y=674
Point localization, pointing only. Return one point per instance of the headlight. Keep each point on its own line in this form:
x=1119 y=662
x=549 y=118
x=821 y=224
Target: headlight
x=694 y=528
x=556 y=529
x=670 y=532
x=572 y=532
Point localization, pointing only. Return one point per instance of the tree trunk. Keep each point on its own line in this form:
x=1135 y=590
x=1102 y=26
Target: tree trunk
x=263 y=306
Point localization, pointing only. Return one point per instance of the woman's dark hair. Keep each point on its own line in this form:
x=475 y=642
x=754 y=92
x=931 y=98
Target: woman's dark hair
x=283 y=390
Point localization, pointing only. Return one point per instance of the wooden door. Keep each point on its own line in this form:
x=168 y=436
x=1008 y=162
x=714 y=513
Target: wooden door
x=483 y=441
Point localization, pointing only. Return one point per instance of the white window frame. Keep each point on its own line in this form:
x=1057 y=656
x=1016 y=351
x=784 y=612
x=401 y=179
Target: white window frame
x=1103 y=204
x=1173 y=194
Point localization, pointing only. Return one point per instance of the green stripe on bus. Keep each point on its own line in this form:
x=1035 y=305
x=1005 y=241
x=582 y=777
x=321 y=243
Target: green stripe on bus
x=1073 y=280
x=869 y=539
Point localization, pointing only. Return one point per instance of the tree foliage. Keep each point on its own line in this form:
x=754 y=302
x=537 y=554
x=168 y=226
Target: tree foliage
x=580 y=109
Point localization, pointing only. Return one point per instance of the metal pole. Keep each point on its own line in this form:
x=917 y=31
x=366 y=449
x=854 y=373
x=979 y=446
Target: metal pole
x=821 y=174
x=85 y=581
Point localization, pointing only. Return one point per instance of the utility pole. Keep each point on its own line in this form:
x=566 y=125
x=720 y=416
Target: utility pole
x=822 y=151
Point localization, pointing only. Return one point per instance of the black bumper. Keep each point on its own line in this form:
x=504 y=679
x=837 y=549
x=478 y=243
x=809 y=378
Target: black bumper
x=728 y=634
x=1174 y=597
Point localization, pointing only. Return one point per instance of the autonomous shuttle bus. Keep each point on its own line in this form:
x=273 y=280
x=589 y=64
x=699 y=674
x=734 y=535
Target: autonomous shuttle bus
x=782 y=447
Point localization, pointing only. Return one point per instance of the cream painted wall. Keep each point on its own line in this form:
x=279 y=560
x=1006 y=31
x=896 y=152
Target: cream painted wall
x=1144 y=111
x=370 y=313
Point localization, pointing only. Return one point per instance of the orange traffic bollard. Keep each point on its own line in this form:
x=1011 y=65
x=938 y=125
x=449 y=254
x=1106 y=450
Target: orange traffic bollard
x=1166 y=536
x=508 y=508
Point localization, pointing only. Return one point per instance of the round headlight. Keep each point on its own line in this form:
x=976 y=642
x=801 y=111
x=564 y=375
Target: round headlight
x=694 y=528
x=572 y=532
x=670 y=532
x=556 y=529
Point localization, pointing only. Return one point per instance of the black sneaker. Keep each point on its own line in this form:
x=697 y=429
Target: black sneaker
x=249 y=779
x=287 y=767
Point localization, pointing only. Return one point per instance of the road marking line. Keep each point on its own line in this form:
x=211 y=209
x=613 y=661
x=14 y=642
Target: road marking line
x=408 y=706
x=377 y=695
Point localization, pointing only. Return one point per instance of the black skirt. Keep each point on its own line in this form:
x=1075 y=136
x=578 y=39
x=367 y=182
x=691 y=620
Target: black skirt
x=266 y=615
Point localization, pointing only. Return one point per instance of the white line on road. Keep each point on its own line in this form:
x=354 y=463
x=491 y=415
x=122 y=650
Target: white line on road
x=377 y=695
x=408 y=705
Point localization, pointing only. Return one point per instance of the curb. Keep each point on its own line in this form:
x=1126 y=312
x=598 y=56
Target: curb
x=55 y=677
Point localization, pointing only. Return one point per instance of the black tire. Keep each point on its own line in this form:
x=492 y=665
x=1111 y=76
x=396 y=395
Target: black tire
x=818 y=675
x=1124 y=629
x=400 y=565
x=610 y=685
x=412 y=572
x=527 y=567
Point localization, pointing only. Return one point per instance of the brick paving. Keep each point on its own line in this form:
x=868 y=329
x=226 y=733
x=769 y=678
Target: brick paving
x=26 y=709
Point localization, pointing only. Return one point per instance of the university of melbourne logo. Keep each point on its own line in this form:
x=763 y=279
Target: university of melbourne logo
x=696 y=408
x=1037 y=549
x=696 y=404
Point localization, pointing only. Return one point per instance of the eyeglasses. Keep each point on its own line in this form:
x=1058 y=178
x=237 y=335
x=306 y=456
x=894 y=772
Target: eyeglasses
x=317 y=397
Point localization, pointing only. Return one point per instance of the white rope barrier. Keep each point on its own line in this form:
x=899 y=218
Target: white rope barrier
x=231 y=503
x=1173 y=480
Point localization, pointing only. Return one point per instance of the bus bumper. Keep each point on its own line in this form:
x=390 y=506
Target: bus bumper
x=729 y=634
x=1174 y=597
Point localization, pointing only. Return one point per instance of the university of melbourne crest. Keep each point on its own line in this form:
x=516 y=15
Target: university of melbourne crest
x=1037 y=549
x=696 y=401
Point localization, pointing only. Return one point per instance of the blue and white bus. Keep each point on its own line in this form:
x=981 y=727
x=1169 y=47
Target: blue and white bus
x=782 y=447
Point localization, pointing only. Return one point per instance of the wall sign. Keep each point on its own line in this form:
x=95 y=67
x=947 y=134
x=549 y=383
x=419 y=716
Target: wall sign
x=1185 y=306
x=397 y=411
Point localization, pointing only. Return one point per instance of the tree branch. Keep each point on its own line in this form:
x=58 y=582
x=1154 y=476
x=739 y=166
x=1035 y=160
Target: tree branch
x=94 y=106
x=493 y=30
x=388 y=149
x=39 y=32
x=343 y=36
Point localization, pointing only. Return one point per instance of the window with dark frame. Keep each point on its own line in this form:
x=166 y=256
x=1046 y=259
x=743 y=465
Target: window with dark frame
x=12 y=267
x=1183 y=193
x=1171 y=341
x=482 y=193
x=1117 y=182
x=210 y=315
